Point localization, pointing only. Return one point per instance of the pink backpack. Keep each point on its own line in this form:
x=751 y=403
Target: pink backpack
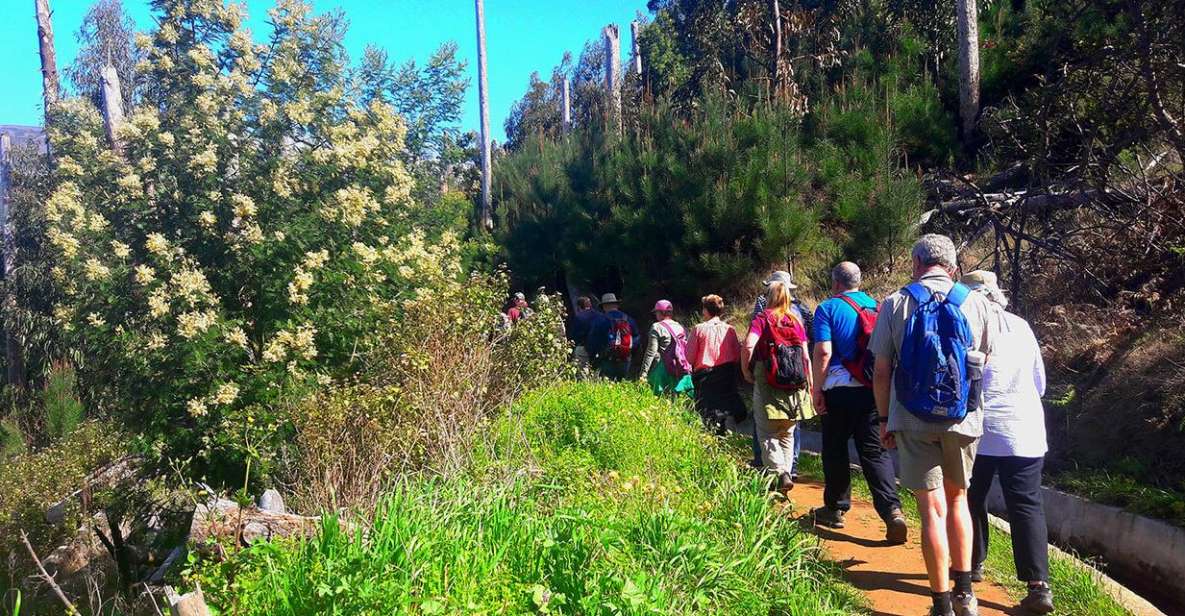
x=675 y=357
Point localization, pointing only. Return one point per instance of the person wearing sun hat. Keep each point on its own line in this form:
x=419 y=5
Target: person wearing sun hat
x=611 y=339
x=661 y=348
x=1013 y=446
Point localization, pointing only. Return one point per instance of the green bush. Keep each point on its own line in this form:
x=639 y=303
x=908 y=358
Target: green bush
x=63 y=411
x=588 y=499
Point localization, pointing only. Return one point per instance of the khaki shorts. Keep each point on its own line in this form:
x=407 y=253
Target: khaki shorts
x=927 y=458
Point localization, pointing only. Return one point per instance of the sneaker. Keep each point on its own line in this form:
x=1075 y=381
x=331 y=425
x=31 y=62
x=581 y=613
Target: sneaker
x=826 y=516
x=1039 y=600
x=977 y=573
x=965 y=604
x=937 y=611
x=896 y=530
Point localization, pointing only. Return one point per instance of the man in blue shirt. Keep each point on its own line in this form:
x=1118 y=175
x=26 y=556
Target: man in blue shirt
x=848 y=408
x=612 y=339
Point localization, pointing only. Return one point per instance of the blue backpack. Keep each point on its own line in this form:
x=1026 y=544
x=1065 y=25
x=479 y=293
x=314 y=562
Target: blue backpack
x=931 y=376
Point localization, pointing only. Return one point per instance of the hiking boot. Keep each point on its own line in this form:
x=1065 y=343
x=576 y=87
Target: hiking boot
x=896 y=530
x=965 y=604
x=826 y=516
x=977 y=572
x=1039 y=600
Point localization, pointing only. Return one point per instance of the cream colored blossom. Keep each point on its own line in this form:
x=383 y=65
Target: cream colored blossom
x=158 y=304
x=279 y=236
x=158 y=245
x=190 y=324
x=299 y=111
x=64 y=242
x=351 y=206
x=94 y=270
x=168 y=33
x=142 y=40
x=190 y=285
x=226 y=394
x=207 y=219
x=96 y=223
x=237 y=337
x=68 y=168
x=366 y=253
x=205 y=161
x=145 y=274
x=302 y=281
x=120 y=249
x=196 y=407
x=62 y=314
x=315 y=259
x=66 y=201
x=201 y=56
x=275 y=351
x=156 y=341
x=94 y=320
x=252 y=233
x=167 y=139
x=244 y=206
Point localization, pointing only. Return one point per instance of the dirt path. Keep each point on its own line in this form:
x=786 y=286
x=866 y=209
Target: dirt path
x=893 y=577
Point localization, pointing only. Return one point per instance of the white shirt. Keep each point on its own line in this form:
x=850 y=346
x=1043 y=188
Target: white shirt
x=1013 y=383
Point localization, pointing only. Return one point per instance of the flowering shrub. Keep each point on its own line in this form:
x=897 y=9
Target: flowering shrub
x=252 y=230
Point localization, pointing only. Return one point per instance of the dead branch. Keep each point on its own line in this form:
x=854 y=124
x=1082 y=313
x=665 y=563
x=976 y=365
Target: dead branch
x=44 y=575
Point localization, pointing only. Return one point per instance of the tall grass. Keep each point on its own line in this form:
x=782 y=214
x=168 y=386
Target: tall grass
x=586 y=499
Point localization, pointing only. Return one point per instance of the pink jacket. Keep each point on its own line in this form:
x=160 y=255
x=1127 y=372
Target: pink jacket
x=712 y=343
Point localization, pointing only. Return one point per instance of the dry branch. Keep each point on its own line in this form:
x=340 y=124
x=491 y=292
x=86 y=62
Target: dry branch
x=70 y=609
x=225 y=519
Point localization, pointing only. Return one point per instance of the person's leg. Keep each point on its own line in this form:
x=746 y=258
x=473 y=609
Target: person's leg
x=1020 y=479
x=797 y=450
x=958 y=459
x=837 y=475
x=935 y=550
x=981 y=482
x=875 y=461
x=921 y=473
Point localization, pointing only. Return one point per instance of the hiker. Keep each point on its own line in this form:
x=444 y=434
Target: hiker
x=774 y=358
x=1013 y=445
x=578 y=331
x=665 y=363
x=611 y=339
x=715 y=353
x=843 y=397
x=803 y=312
x=516 y=309
x=930 y=342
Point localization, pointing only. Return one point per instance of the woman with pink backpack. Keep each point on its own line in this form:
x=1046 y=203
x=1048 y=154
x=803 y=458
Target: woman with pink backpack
x=665 y=364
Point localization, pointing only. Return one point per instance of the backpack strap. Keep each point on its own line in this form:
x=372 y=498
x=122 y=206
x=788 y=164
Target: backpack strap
x=958 y=294
x=670 y=330
x=849 y=301
x=918 y=292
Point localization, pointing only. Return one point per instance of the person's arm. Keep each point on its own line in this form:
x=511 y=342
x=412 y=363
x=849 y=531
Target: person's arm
x=1038 y=366
x=882 y=388
x=747 y=354
x=806 y=367
x=822 y=361
x=651 y=352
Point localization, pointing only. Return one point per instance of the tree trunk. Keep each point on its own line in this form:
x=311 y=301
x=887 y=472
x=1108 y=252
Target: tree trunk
x=566 y=105
x=635 y=27
x=483 y=94
x=112 y=107
x=13 y=360
x=968 y=26
x=776 y=9
x=613 y=74
x=49 y=64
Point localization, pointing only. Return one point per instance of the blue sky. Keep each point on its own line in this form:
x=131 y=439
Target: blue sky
x=522 y=36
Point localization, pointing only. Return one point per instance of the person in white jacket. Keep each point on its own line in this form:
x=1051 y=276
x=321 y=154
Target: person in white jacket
x=1013 y=447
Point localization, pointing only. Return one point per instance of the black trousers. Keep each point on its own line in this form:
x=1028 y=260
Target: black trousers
x=1020 y=479
x=716 y=395
x=851 y=414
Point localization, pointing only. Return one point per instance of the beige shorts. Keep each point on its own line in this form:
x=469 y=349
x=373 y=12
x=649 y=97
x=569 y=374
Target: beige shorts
x=927 y=458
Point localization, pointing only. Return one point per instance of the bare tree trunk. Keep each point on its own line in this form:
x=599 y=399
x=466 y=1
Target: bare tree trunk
x=566 y=105
x=49 y=64
x=12 y=353
x=112 y=107
x=968 y=26
x=777 y=15
x=635 y=27
x=483 y=94
x=613 y=74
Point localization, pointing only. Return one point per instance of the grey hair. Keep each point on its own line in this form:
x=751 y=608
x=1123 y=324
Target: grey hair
x=847 y=275
x=934 y=249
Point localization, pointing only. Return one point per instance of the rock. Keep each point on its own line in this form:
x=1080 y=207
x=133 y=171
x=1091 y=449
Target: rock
x=271 y=501
x=223 y=519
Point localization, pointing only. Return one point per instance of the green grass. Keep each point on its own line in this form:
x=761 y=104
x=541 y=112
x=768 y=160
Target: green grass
x=1122 y=490
x=587 y=499
x=1076 y=591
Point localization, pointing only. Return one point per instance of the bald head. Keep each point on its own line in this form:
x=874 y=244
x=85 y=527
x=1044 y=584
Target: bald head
x=845 y=277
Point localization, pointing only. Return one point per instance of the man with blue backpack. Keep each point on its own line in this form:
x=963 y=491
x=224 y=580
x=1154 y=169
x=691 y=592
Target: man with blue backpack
x=611 y=339
x=930 y=342
x=843 y=397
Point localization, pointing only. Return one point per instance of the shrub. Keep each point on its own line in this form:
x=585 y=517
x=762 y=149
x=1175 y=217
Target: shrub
x=430 y=387
x=252 y=233
x=63 y=411
x=616 y=503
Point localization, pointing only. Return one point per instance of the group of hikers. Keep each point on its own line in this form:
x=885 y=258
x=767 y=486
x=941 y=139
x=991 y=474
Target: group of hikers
x=939 y=371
